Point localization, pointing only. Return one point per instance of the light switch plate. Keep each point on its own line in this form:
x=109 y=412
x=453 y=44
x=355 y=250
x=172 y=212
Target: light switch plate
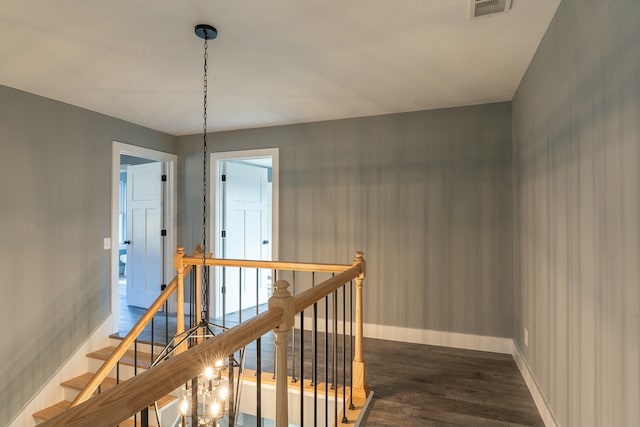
x=106 y=243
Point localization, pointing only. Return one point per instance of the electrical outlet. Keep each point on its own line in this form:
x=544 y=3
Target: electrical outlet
x=106 y=243
x=526 y=337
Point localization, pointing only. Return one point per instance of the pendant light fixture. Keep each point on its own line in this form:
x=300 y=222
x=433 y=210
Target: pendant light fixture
x=205 y=400
x=205 y=32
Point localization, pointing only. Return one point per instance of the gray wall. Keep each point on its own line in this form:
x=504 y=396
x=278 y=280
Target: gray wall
x=576 y=130
x=55 y=168
x=426 y=196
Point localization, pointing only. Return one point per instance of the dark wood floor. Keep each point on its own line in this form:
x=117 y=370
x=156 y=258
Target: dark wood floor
x=421 y=385
x=414 y=384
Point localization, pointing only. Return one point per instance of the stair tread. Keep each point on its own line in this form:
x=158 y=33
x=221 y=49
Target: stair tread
x=53 y=410
x=144 y=359
x=58 y=408
x=80 y=381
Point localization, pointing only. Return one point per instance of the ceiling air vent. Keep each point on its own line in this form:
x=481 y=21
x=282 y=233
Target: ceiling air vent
x=489 y=7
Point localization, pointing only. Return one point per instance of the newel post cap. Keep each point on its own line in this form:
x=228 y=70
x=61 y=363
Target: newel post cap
x=281 y=289
x=177 y=258
x=359 y=259
x=281 y=298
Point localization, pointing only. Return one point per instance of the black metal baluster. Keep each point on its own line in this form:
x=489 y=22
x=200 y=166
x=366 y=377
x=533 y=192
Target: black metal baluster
x=275 y=278
x=194 y=401
x=118 y=375
x=135 y=372
x=232 y=400
x=152 y=332
x=351 y=346
x=166 y=322
x=240 y=295
x=259 y=382
x=344 y=355
x=207 y=294
x=335 y=356
x=135 y=357
x=293 y=340
x=144 y=417
x=314 y=347
x=302 y=368
x=224 y=297
x=314 y=351
x=326 y=361
x=192 y=300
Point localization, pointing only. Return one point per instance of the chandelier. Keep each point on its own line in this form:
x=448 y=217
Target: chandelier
x=215 y=393
x=209 y=394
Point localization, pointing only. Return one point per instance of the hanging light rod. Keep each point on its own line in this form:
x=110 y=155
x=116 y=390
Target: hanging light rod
x=206 y=32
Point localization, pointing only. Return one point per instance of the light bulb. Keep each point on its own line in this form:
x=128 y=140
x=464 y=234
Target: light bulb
x=215 y=408
x=219 y=363
x=224 y=392
x=208 y=372
x=184 y=406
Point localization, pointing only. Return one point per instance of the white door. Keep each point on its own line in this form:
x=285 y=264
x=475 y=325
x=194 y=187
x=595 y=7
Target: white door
x=247 y=226
x=144 y=226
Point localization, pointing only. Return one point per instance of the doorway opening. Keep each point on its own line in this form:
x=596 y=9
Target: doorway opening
x=143 y=229
x=244 y=226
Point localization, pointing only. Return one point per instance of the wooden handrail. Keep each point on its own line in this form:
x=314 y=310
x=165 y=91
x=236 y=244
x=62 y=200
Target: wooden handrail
x=273 y=265
x=111 y=362
x=310 y=296
x=119 y=403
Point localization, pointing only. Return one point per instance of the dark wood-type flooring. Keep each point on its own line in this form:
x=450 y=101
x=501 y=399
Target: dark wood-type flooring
x=413 y=384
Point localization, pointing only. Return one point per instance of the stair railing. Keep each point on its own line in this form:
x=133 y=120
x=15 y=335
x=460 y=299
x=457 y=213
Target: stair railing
x=113 y=406
x=129 y=340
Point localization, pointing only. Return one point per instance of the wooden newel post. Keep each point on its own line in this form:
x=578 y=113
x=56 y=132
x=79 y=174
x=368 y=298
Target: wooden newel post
x=177 y=263
x=360 y=387
x=282 y=299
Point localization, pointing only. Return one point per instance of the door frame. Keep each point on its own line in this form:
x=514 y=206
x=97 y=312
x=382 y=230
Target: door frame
x=171 y=219
x=215 y=184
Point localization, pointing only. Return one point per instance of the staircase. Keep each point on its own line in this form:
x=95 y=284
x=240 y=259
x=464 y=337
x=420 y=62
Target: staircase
x=167 y=407
x=326 y=282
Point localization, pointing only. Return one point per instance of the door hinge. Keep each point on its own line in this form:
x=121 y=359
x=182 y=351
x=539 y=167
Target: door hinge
x=224 y=233
x=224 y=289
x=163 y=233
x=164 y=177
x=224 y=178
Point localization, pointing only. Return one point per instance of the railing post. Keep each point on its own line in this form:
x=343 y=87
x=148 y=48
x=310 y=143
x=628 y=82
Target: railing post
x=177 y=263
x=360 y=387
x=282 y=299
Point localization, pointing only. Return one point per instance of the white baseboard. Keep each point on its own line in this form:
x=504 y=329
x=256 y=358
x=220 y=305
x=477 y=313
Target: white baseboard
x=422 y=336
x=539 y=399
x=77 y=364
x=440 y=338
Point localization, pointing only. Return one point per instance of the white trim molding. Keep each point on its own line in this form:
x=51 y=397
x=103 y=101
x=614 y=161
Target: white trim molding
x=171 y=219
x=422 y=336
x=214 y=160
x=541 y=403
x=440 y=338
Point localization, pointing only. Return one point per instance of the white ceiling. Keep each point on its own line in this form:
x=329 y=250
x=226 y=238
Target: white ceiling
x=274 y=62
